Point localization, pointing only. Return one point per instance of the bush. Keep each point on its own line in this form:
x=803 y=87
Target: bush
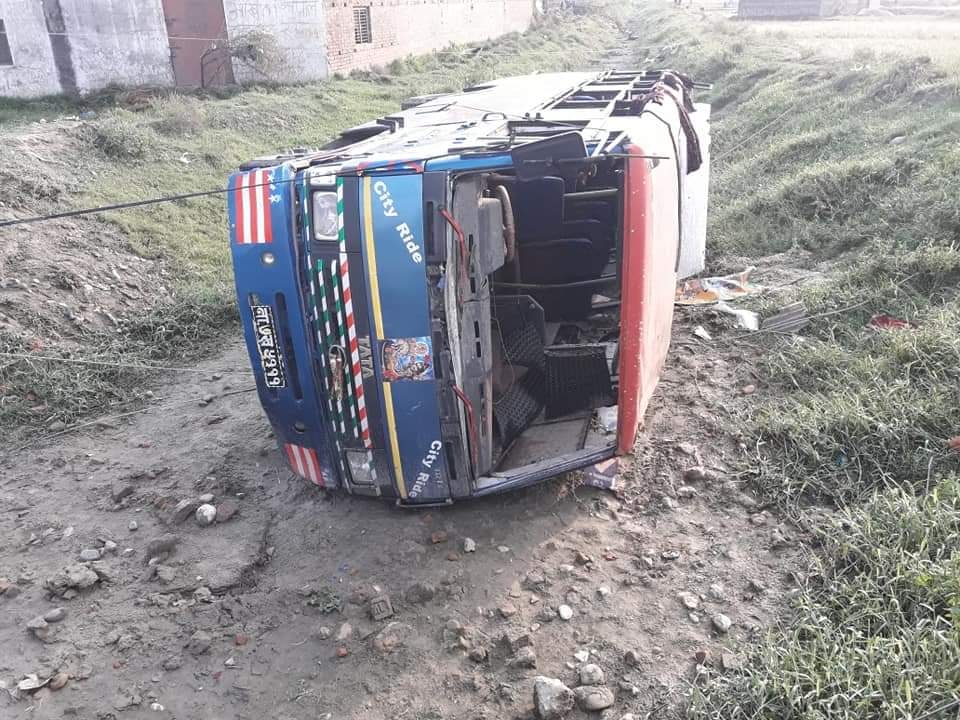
x=120 y=136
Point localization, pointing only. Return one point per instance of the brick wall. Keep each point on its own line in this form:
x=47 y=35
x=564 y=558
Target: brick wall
x=404 y=27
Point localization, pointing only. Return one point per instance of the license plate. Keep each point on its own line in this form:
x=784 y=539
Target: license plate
x=271 y=358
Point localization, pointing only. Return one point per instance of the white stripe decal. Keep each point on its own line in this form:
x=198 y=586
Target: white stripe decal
x=301 y=470
x=245 y=206
x=312 y=467
x=257 y=190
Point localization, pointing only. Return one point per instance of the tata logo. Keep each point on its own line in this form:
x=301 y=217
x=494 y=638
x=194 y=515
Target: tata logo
x=403 y=230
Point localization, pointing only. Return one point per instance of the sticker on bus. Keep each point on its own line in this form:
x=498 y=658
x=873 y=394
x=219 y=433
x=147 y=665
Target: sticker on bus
x=407 y=359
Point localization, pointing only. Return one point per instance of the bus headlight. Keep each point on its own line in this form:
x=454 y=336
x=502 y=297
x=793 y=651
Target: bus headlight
x=361 y=464
x=325 y=219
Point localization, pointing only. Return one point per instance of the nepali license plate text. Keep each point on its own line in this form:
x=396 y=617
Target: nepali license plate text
x=271 y=359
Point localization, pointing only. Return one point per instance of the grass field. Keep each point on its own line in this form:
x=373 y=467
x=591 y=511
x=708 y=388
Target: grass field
x=856 y=165
x=864 y=40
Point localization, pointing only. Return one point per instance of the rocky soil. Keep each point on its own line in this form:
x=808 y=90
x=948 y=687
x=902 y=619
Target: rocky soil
x=166 y=564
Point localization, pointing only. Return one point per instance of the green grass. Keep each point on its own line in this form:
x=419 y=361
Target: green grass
x=857 y=165
x=152 y=144
x=875 y=633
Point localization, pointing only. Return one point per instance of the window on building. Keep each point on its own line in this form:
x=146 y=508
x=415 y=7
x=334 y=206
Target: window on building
x=361 y=25
x=6 y=57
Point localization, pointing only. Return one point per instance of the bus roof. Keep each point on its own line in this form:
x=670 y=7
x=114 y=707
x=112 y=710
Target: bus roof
x=484 y=120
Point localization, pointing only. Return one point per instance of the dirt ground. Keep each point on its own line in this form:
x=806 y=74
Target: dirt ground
x=267 y=614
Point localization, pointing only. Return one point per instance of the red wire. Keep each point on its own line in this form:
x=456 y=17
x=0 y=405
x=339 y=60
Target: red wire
x=458 y=231
x=470 y=422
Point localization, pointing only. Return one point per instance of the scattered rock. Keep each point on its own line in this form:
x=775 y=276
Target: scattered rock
x=109 y=546
x=182 y=510
x=717 y=592
x=699 y=474
x=226 y=510
x=380 y=607
x=687 y=448
x=323 y=632
x=161 y=547
x=631 y=658
x=582 y=558
x=118 y=494
x=89 y=554
x=58 y=681
x=477 y=653
x=206 y=498
x=591 y=674
x=39 y=627
x=593 y=698
x=206 y=514
x=440 y=536
x=898 y=139
x=469 y=545
x=721 y=622
x=603 y=591
x=172 y=663
x=166 y=574
x=71 y=579
x=581 y=656
x=203 y=594
x=551 y=698
x=420 y=592
x=525 y=658
x=342 y=652
x=686 y=492
x=748 y=389
x=514 y=642
x=392 y=637
x=729 y=661
x=502 y=549
x=690 y=600
x=344 y=632
x=565 y=612
x=55 y=615
x=132 y=526
x=199 y=643
x=507 y=610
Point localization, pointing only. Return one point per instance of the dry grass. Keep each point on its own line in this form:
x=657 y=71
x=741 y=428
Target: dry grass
x=862 y=40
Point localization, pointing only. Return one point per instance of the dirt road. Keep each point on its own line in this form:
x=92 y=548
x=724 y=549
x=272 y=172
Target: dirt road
x=266 y=613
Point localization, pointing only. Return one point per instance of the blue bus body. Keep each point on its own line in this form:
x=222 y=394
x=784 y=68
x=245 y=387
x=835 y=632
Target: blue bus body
x=362 y=267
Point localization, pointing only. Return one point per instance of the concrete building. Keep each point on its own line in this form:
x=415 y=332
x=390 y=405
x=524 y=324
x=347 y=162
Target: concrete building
x=78 y=46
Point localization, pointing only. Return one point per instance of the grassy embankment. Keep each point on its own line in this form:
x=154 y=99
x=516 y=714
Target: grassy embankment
x=856 y=163
x=182 y=143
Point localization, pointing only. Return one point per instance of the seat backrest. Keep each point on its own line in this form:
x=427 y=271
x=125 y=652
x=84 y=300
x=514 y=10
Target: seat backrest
x=538 y=208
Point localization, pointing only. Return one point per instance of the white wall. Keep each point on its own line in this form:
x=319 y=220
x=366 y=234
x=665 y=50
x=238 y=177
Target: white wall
x=33 y=73
x=117 y=41
x=299 y=28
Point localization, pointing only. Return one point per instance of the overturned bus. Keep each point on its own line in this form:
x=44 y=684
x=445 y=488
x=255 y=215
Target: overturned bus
x=474 y=294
